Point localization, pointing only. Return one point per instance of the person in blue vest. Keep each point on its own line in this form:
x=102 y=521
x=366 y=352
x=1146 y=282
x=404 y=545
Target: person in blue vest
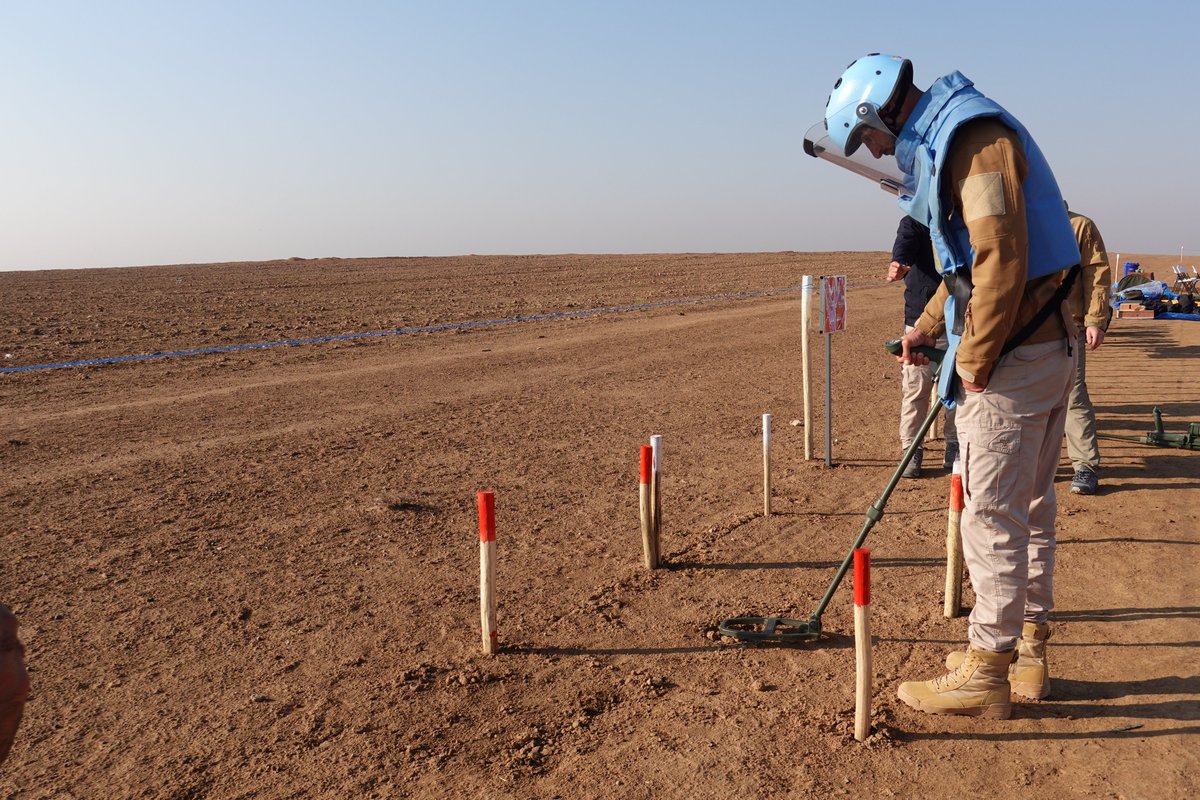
x=1007 y=256
x=912 y=262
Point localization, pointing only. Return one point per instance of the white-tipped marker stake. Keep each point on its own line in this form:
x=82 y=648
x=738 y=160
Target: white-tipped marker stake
x=645 y=508
x=487 y=571
x=766 y=465
x=656 y=496
x=954 y=553
x=806 y=289
x=862 y=644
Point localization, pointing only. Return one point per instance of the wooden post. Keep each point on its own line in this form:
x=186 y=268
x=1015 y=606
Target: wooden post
x=656 y=496
x=806 y=289
x=487 y=571
x=862 y=644
x=647 y=513
x=954 y=554
x=766 y=465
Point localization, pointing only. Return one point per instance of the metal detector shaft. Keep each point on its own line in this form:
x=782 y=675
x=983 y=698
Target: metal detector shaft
x=875 y=512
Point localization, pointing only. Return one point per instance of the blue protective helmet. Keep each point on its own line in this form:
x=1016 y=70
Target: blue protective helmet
x=861 y=96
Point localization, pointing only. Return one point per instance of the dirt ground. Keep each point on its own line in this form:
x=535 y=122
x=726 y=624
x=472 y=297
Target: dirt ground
x=255 y=573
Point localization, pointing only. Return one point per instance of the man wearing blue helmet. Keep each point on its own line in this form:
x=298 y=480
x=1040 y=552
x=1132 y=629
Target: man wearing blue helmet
x=1007 y=255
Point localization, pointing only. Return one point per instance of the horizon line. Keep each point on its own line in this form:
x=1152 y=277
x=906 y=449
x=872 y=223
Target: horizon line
x=297 y=259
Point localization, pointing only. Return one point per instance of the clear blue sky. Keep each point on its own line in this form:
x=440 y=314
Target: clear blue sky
x=171 y=132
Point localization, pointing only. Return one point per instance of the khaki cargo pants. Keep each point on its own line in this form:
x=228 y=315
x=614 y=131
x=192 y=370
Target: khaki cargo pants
x=1082 y=446
x=1010 y=437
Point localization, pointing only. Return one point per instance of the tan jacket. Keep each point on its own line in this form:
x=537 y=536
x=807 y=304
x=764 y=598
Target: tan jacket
x=1088 y=300
x=986 y=167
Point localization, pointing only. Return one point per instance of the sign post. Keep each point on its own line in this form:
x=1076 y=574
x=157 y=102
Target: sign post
x=833 y=320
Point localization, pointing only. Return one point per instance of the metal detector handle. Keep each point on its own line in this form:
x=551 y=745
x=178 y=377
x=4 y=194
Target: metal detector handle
x=932 y=353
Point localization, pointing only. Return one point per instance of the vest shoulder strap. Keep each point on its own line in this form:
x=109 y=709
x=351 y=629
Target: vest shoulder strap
x=1043 y=313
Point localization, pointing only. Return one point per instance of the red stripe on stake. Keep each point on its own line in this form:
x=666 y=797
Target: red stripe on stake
x=862 y=644
x=649 y=550
x=487 y=516
x=956 y=493
x=862 y=577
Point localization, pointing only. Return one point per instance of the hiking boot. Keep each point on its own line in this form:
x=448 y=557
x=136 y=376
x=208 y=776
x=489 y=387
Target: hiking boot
x=1029 y=675
x=978 y=687
x=951 y=456
x=913 y=469
x=1085 y=481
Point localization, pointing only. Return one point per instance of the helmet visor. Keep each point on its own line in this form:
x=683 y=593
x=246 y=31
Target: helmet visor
x=883 y=171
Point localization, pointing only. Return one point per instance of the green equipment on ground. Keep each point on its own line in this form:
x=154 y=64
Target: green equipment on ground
x=782 y=629
x=1160 y=438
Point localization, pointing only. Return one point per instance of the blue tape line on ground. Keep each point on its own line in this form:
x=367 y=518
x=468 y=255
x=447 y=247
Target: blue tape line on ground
x=424 y=329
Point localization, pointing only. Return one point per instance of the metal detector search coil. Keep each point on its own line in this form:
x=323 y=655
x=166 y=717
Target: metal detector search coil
x=771 y=629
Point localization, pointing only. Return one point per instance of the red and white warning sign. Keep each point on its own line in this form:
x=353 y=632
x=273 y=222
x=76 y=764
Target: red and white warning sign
x=833 y=303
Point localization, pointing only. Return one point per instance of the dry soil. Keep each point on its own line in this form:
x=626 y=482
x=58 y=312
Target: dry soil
x=254 y=573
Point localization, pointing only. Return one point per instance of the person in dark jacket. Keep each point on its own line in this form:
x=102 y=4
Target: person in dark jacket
x=912 y=261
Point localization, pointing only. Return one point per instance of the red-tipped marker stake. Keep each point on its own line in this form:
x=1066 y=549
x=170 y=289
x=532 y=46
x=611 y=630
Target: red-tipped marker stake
x=862 y=644
x=647 y=515
x=487 y=571
x=954 y=554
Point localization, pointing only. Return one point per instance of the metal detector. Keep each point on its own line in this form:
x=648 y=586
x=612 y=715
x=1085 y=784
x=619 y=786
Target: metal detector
x=781 y=629
x=1160 y=438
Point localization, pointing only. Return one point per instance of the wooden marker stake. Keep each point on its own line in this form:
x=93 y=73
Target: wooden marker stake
x=806 y=289
x=954 y=553
x=487 y=571
x=766 y=465
x=862 y=644
x=647 y=512
x=656 y=496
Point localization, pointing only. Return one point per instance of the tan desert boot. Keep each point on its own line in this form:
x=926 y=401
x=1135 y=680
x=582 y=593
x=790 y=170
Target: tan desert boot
x=1029 y=676
x=977 y=688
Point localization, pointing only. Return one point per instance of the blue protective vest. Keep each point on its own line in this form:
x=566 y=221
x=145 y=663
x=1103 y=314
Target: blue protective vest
x=921 y=151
